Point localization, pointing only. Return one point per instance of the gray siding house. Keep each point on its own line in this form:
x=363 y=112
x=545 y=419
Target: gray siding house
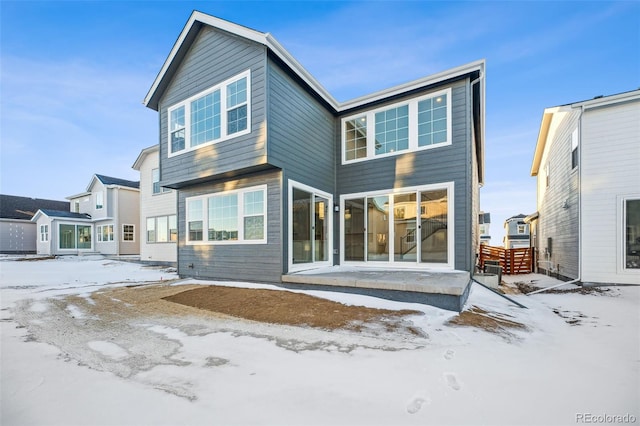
x=274 y=176
x=17 y=233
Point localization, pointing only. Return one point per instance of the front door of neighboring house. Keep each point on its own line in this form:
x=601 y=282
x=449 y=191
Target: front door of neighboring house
x=310 y=217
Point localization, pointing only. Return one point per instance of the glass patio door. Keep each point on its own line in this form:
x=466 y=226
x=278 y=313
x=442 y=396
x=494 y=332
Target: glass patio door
x=402 y=228
x=310 y=227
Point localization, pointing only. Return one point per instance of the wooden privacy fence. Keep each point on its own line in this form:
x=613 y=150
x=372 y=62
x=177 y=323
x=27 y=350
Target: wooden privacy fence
x=512 y=261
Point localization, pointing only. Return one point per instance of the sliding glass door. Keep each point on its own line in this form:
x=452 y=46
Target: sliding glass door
x=404 y=227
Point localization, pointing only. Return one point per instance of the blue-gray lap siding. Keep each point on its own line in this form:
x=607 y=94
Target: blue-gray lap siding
x=214 y=57
x=301 y=134
x=245 y=262
x=445 y=164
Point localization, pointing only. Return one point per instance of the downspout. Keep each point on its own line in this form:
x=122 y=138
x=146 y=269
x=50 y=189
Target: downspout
x=473 y=82
x=577 y=280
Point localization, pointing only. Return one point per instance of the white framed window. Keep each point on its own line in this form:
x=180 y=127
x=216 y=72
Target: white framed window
x=128 y=232
x=413 y=125
x=547 y=175
x=521 y=229
x=162 y=229
x=213 y=115
x=99 y=200
x=574 y=149
x=155 y=179
x=104 y=233
x=229 y=217
x=631 y=208
x=44 y=233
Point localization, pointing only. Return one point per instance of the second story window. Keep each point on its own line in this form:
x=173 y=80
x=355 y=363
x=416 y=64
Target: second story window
x=416 y=124
x=213 y=115
x=155 y=178
x=574 y=149
x=99 y=200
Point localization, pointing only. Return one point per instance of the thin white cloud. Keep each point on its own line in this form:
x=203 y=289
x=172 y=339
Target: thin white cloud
x=64 y=121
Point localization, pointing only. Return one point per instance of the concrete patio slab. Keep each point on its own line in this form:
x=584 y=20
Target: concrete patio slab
x=441 y=288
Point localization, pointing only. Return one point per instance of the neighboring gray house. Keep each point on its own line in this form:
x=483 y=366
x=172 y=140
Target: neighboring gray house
x=103 y=219
x=17 y=232
x=516 y=232
x=274 y=176
x=587 y=157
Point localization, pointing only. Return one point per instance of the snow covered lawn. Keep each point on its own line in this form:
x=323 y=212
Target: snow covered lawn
x=578 y=355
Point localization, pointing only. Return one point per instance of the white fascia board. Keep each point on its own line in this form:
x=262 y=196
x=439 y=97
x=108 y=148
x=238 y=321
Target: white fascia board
x=292 y=63
x=143 y=154
x=272 y=44
x=608 y=100
x=80 y=195
x=122 y=187
x=416 y=84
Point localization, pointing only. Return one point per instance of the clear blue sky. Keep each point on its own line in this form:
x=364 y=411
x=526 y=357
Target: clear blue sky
x=74 y=74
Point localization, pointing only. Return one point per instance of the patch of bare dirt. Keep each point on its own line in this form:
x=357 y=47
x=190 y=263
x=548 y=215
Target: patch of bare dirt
x=285 y=307
x=500 y=324
x=33 y=259
x=525 y=288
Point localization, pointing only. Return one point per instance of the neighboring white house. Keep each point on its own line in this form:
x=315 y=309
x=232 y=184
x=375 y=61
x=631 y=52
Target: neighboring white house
x=516 y=232
x=484 y=221
x=103 y=219
x=159 y=228
x=17 y=231
x=587 y=164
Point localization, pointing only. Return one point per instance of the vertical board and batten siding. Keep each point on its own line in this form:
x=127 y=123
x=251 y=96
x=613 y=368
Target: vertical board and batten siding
x=450 y=163
x=214 y=57
x=610 y=159
x=248 y=262
x=555 y=221
x=300 y=133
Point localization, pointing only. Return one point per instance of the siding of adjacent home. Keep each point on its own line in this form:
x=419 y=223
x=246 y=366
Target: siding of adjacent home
x=427 y=167
x=250 y=262
x=610 y=159
x=154 y=205
x=214 y=57
x=17 y=236
x=557 y=222
x=128 y=207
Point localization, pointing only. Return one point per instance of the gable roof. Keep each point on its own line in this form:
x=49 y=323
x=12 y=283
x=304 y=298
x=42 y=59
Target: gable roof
x=547 y=117
x=60 y=214
x=143 y=154
x=15 y=207
x=198 y=19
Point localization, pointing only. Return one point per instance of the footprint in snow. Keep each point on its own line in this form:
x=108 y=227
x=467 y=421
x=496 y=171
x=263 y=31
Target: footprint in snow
x=416 y=404
x=452 y=381
x=449 y=354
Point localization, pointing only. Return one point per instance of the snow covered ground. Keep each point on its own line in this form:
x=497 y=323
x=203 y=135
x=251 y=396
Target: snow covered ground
x=578 y=360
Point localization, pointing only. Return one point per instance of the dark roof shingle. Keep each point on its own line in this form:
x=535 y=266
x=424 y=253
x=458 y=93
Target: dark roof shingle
x=108 y=180
x=15 y=207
